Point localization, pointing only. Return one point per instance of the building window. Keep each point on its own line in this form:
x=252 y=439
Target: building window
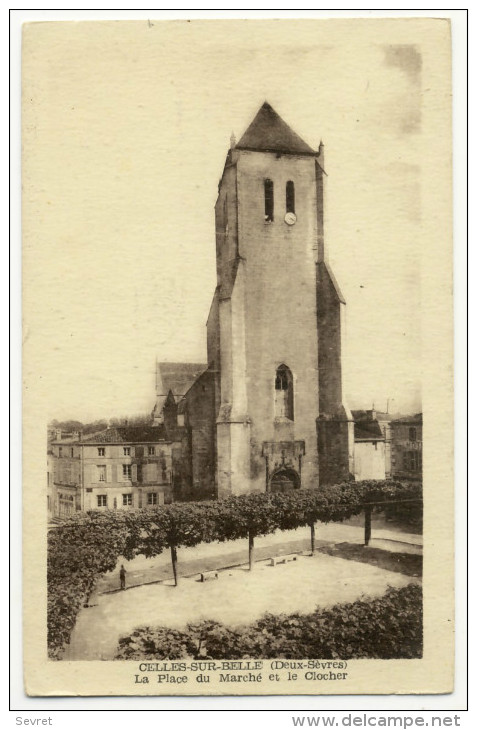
x=101 y=451
x=152 y=498
x=151 y=450
x=60 y=451
x=72 y=452
x=102 y=500
x=268 y=193
x=127 y=451
x=127 y=500
x=413 y=461
x=284 y=393
x=290 y=197
x=180 y=419
x=101 y=473
x=127 y=471
x=412 y=434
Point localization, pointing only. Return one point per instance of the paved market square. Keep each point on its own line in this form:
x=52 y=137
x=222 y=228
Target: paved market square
x=238 y=596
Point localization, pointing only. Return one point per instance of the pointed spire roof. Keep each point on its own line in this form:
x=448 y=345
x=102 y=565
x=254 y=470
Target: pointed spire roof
x=269 y=133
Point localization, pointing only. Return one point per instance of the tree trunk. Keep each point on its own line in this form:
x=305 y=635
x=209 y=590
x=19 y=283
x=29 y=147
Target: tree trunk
x=251 y=549
x=367 y=524
x=174 y=564
x=312 y=537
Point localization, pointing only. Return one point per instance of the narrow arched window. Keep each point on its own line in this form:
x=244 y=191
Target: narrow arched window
x=284 y=393
x=268 y=194
x=290 y=197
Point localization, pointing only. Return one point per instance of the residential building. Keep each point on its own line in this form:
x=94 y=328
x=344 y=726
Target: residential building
x=119 y=468
x=406 y=451
x=369 y=446
x=370 y=423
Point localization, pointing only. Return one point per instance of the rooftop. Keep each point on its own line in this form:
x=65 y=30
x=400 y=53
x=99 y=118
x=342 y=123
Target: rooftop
x=177 y=377
x=369 y=431
x=416 y=418
x=362 y=415
x=128 y=434
x=269 y=133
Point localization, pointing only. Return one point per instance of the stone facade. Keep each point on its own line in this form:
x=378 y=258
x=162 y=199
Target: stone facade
x=268 y=413
x=198 y=443
x=406 y=447
x=372 y=444
x=120 y=468
x=369 y=459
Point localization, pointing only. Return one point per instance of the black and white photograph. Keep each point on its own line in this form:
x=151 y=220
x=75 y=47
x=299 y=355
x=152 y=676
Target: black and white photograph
x=237 y=266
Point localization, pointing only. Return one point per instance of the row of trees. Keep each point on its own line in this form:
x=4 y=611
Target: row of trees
x=90 y=544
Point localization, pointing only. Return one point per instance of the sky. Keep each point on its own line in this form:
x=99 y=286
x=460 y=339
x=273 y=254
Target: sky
x=126 y=129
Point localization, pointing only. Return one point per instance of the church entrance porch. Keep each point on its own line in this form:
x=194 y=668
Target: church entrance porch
x=283 y=480
x=283 y=460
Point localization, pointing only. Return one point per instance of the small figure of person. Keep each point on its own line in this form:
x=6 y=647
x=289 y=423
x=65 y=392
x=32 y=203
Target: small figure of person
x=122 y=578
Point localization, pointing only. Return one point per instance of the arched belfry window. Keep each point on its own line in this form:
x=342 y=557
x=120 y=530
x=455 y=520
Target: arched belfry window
x=268 y=195
x=290 y=197
x=284 y=393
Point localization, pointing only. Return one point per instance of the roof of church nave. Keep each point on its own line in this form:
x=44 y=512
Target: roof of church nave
x=178 y=376
x=269 y=133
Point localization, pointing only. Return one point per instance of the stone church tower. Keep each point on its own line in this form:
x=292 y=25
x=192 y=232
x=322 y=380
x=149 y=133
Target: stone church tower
x=273 y=380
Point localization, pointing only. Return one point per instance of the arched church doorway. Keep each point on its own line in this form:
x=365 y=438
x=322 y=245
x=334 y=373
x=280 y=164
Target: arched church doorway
x=284 y=480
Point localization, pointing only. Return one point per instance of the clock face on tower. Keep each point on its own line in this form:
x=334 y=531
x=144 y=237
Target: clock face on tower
x=290 y=219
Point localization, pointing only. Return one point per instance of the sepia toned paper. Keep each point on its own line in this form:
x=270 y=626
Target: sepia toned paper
x=126 y=126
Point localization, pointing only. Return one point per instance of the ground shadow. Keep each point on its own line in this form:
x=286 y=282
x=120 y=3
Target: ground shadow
x=405 y=563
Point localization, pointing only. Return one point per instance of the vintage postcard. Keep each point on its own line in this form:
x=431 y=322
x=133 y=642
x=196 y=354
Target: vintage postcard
x=237 y=271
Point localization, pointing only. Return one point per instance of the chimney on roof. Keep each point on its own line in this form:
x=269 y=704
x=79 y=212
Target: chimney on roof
x=125 y=421
x=58 y=434
x=233 y=141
